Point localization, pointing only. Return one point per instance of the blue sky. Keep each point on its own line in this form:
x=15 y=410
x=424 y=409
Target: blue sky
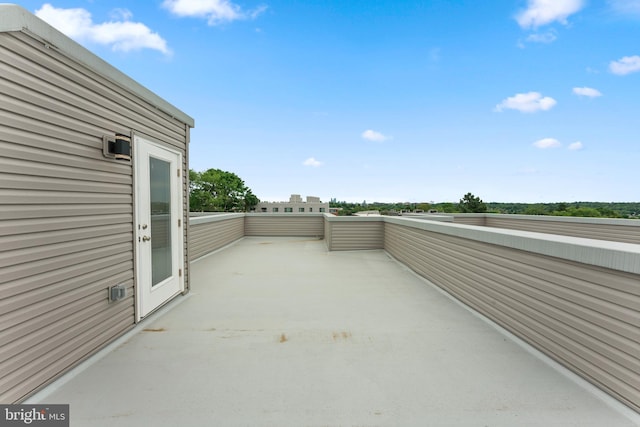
x=512 y=100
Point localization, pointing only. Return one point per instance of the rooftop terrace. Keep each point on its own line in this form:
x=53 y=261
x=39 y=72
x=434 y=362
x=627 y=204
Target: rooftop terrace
x=279 y=331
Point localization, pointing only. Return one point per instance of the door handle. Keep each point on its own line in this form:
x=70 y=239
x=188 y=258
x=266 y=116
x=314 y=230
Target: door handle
x=146 y=238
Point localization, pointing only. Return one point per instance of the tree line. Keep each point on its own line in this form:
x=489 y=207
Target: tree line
x=215 y=190
x=471 y=203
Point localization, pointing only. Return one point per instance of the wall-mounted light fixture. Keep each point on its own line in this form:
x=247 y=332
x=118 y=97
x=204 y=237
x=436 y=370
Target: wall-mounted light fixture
x=117 y=147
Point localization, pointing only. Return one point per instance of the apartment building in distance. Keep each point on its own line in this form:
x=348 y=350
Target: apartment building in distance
x=294 y=205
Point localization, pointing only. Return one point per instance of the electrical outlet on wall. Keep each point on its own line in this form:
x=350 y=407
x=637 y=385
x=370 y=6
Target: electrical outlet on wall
x=117 y=292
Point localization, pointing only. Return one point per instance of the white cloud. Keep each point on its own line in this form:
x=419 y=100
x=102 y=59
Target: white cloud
x=625 y=7
x=372 y=135
x=312 y=162
x=548 y=37
x=215 y=11
x=75 y=23
x=625 y=65
x=547 y=143
x=587 y=91
x=253 y=14
x=121 y=35
x=575 y=146
x=527 y=103
x=128 y=36
x=119 y=14
x=543 y=12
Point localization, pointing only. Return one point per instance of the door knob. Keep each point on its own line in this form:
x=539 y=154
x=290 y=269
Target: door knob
x=146 y=238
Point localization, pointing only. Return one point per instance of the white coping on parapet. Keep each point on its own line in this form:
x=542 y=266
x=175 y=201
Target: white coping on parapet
x=603 y=253
x=546 y=218
x=195 y=220
x=574 y=219
x=223 y=216
x=355 y=218
x=615 y=255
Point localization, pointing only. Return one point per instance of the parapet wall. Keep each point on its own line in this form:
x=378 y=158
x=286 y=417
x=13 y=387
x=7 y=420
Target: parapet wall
x=212 y=232
x=290 y=224
x=612 y=229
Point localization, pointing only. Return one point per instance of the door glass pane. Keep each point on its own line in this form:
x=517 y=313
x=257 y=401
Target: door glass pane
x=160 y=179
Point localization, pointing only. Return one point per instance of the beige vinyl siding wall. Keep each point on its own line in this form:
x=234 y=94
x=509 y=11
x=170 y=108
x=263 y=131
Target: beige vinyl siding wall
x=291 y=224
x=210 y=233
x=328 y=231
x=617 y=230
x=354 y=233
x=612 y=229
x=66 y=212
x=469 y=219
x=586 y=317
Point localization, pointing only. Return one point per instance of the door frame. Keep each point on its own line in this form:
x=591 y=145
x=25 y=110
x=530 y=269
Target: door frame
x=148 y=298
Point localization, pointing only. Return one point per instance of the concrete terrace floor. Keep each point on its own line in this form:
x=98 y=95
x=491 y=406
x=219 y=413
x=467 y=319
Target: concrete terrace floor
x=281 y=332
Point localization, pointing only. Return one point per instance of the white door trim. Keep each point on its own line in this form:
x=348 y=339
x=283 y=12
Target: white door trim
x=148 y=296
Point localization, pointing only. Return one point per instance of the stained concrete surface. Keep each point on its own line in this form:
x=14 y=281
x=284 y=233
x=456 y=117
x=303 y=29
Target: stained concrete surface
x=280 y=332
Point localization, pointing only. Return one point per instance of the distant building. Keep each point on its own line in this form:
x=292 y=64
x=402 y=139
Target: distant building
x=294 y=205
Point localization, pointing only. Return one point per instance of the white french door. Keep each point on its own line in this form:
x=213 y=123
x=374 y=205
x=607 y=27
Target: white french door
x=159 y=237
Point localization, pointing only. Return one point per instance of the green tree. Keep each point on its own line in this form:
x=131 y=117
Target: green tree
x=215 y=190
x=470 y=203
x=584 y=211
x=200 y=198
x=608 y=212
x=424 y=207
x=446 y=207
x=250 y=201
x=537 y=209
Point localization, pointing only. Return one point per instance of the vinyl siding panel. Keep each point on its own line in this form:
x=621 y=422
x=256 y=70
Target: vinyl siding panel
x=77 y=92
x=328 y=231
x=611 y=229
x=584 y=316
x=290 y=224
x=56 y=211
x=624 y=231
x=66 y=212
x=358 y=234
x=53 y=297
x=469 y=219
x=206 y=237
x=31 y=375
